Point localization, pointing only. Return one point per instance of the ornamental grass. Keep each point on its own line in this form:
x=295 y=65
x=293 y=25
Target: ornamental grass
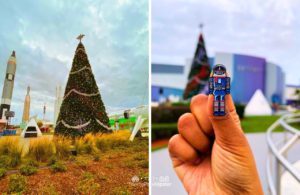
x=62 y=146
x=85 y=145
x=115 y=140
x=41 y=149
x=11 y=150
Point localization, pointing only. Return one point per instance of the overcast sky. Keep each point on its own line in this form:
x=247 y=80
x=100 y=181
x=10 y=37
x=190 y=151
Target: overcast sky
x=269 y=29
x=43 y=33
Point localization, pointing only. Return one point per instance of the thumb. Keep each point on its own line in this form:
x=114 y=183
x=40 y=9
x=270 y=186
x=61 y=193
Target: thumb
x=227 y=129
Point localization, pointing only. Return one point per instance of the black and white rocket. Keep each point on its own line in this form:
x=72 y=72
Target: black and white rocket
x=8 y=85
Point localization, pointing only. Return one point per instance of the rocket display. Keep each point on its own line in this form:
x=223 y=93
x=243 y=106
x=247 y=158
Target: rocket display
x=8 y=85
x=26 y=111
x=57 y=103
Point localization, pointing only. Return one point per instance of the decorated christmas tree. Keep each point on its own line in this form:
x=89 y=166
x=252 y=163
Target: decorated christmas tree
x=82 y=110
x=200 y=70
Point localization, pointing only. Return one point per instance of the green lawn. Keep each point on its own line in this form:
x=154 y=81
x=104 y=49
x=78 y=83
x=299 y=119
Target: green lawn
x=253 y=124
x=257 y=124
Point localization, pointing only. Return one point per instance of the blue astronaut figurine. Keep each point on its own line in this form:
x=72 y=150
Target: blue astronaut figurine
x=219 y=86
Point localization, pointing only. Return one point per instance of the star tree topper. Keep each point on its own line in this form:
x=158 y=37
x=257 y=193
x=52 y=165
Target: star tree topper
x=80 y=37
x=201 y=25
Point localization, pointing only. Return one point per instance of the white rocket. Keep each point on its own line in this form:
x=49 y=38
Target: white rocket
x=58 y=102
x=26 y=111
x=8 y=85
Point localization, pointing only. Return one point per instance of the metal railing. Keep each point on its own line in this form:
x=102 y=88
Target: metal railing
x=279 y=154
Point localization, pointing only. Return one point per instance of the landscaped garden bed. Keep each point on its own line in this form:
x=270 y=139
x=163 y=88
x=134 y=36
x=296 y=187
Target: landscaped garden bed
x=104 y=164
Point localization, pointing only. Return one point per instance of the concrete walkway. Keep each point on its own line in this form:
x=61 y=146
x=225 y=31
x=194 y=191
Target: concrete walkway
x=165 y=181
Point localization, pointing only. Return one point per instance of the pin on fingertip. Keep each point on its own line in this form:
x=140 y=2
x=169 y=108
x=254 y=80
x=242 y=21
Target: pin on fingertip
x=219 y=87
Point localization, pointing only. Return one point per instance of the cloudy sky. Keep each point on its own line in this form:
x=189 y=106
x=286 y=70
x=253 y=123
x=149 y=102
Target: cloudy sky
x=43 y=33
x=269 y=29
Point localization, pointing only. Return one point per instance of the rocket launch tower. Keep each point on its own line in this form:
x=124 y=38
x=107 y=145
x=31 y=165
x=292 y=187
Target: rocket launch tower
x=8 y=85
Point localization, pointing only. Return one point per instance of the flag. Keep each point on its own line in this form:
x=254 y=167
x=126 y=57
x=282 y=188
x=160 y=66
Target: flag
x=200 y=70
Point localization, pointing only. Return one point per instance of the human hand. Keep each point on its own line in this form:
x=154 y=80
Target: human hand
x=211 y=154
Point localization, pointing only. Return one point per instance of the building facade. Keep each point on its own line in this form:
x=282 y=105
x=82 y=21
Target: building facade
x=292 y=97
x=248 y=73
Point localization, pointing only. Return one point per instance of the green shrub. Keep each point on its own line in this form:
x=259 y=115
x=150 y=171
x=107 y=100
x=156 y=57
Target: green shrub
x=48 y=190
x=72 y=158
x=140 y=156
x=15 y=156
x=120 y=191
x=40 y=149
x=139 y=145
x=58 y=167
x=16 y=183
x=96 y=157
x=163 y=131
x=10 y=161
x=144 y=176
x=32 y=162
x=2 y=172
x=52 y=160
x=185 y=104
x=5 y=161
x=128 y=164
x=28 y=170
x=82 y=163
x=87 y=184
x=144 y=164
x=240 y=110
x=168 y=114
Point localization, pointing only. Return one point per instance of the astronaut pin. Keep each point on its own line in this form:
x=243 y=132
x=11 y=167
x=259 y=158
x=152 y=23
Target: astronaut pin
x=219 y=86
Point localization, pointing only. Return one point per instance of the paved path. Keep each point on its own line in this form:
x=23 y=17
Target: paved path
x=165 y=181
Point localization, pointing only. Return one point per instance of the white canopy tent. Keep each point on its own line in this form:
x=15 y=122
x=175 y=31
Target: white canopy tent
x=31 y=129
x=258 y=105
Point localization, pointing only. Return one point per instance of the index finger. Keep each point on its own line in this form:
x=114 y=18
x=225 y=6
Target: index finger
x=199 y=109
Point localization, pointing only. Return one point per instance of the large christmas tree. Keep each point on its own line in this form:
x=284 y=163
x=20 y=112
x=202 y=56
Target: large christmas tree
x=199 y=73
x=82 y=110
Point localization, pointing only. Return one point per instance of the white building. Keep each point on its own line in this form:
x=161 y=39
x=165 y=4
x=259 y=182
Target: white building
x=248 y=74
